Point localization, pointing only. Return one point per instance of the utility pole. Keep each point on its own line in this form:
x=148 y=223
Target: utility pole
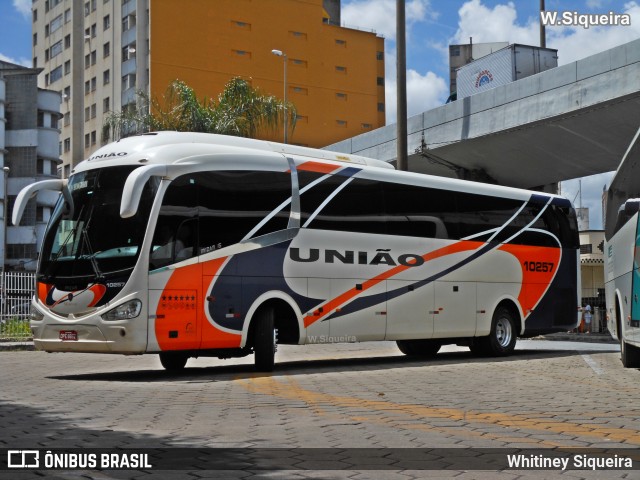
x=543 y=35
x=401 y=76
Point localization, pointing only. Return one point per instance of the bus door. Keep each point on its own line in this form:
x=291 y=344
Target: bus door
x=635 y=285
x=175 y=276
x=410 y=310
x=455 y=309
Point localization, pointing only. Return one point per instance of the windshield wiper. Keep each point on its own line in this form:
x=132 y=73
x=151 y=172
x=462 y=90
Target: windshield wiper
x=87 y=242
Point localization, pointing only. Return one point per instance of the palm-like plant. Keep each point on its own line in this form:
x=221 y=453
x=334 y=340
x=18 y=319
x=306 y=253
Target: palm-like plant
x=241 y=110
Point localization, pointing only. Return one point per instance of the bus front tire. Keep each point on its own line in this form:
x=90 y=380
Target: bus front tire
x=173 y=361
x=419 y=348
x=630 y=355
x=265 y=341
x=502 y=339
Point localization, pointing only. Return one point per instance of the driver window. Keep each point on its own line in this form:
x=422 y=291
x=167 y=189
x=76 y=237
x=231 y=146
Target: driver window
x=175 y=235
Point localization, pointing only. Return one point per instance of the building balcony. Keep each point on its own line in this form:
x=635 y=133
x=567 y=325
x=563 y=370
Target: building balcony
x=49 y=101
x=48 y=143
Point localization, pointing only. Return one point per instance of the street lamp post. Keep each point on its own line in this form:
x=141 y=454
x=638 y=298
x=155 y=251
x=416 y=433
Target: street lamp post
x=280 y=53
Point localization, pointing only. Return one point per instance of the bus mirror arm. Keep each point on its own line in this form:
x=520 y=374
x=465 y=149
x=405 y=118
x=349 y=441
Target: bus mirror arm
x=631 y=206
x=30 y=191
x=132 y=190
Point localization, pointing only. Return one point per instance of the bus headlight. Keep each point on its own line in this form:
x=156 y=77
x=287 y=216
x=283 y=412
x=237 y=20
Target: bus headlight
x=36 y=315
x=126 y=311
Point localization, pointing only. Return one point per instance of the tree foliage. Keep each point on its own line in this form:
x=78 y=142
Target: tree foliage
x=240 y=110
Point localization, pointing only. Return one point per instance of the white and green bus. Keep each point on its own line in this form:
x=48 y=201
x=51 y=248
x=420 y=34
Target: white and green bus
x=622 y=255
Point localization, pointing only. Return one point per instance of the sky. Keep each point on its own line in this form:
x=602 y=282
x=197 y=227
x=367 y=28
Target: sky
x=432 y=25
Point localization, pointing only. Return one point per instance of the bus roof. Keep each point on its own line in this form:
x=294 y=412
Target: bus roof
x=126 y=148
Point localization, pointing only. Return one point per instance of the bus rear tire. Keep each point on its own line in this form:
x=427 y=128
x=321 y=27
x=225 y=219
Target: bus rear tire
x=419 y=348
x=265 y=342
x=173 y=361
x=629 y=354
x=501 y=340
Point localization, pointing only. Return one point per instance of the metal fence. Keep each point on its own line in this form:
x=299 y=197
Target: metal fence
x=16 y=291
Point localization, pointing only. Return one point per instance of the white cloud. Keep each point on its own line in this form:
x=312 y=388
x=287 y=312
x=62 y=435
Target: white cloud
x=23 y=6
x=424 y=90
x=380 y=15
x=500 y=23
x=497 y=24
x=574 y=43
x=25 y=62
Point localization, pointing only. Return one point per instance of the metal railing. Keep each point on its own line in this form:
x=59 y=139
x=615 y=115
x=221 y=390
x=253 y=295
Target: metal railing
x=16 y=291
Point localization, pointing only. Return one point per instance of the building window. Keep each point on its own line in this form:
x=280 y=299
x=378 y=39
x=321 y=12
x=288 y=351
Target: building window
x=586 y=249
x=67 y=119
x=94 y=137
x=380 y=107
x=379 y=55
x=67 y=41
x=299 y=35
x=128 y=22
x=56 y=49
x=380 y=81
x=300 y=90
x=106 y=22
x=56 y=74
x=67 y=15
x=66 y=93
x=341 y=69
x=106 y=77
x=128 y=81
x=241 y=25
x=106 y=105
x=341 y=43
x=242 y=53
x=341 y=96
x=67 y=145
x=35 y=15
x=106 y=50
x=367 y=126
x=55 y=24
x=35 y=39
x=67 y=67
x=87 y=140
x=341 y=123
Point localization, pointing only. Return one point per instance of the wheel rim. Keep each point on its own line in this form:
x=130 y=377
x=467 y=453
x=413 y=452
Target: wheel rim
x=504 y=332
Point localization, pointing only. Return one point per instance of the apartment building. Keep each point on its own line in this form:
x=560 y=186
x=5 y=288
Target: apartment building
x=99 y=53
x=29 y=152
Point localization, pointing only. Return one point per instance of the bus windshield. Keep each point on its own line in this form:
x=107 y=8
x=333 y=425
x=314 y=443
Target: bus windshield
x=89 y=238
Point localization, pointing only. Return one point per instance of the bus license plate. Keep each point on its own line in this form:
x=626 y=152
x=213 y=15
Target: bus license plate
x=68 y=335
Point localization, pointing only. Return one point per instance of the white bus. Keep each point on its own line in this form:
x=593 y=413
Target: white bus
x=190 y=245
x=622 y=255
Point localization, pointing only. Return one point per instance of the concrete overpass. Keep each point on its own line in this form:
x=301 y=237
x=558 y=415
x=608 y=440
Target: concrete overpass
x=568 y=122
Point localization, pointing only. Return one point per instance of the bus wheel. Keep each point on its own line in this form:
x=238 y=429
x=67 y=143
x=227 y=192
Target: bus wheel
x=629 y=354
x=173 y=360
x=265 y=341
x=419 y=348
x=502 y=339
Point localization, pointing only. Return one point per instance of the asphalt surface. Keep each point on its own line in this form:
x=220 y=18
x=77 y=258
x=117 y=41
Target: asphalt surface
x=354 y=411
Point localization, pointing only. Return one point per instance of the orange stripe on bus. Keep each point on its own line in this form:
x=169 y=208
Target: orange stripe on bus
x=318 y=167
x=328 y=307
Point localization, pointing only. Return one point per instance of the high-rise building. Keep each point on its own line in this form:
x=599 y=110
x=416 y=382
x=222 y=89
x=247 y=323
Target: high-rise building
x=99 y=53
x=29 y=152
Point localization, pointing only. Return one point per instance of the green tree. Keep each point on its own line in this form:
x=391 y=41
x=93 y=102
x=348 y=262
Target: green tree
x=241 y=110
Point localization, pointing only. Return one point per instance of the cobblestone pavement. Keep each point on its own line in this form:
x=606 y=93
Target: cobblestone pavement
x=547 y=395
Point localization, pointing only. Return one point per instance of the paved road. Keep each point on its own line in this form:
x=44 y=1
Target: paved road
x=548 y=395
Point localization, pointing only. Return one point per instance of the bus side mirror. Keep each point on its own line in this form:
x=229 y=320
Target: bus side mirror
x=632 y=206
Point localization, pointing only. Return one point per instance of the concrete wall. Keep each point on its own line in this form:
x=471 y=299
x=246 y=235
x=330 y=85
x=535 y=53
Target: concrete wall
x=593 y=80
